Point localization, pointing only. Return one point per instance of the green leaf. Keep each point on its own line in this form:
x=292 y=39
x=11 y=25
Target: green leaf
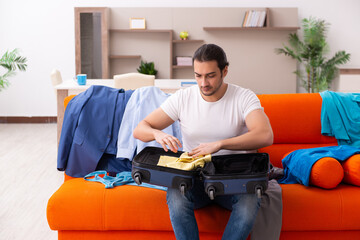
x=4 y=83
x=147 y=68
x=11 y=61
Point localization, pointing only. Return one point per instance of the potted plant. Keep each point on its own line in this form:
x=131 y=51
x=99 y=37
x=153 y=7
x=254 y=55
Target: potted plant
x=147 y=68
x=11 y=61
x=319 y=72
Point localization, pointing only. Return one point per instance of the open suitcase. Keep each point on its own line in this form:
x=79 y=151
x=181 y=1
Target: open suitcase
x=145 y=169
x=226 y=174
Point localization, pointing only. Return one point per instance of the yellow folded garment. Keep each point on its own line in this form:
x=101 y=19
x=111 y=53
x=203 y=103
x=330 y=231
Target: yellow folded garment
x=184 y=162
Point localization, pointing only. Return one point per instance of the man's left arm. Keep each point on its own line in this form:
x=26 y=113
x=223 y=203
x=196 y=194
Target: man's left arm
x=259 y=135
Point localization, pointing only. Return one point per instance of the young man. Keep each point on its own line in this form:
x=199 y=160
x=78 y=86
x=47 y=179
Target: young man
x=215 y=118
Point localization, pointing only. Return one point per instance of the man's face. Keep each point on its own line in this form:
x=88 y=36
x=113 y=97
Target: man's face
x=209 y=77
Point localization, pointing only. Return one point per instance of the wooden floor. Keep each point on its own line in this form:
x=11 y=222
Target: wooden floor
x=28 y=177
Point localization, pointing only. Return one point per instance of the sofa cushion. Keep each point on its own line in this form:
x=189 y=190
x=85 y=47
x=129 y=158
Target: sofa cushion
x=352 y=170
x=295 y=118
x=312 y=209
x=84 y=205
x=326 y=173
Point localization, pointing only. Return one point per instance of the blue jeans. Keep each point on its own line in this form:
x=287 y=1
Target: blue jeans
x=243 y=207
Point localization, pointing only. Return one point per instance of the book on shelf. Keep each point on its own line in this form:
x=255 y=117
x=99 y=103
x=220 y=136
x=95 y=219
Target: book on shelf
x=254 y=18
x=245 y=18
x=248 y=20
x=262 y=18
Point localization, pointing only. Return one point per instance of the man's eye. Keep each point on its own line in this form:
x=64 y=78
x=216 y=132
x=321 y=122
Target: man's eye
x=211 y=76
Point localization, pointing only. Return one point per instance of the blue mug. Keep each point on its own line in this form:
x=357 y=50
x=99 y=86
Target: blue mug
x=81 y=79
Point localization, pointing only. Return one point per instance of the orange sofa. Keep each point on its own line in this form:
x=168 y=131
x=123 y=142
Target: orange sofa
x=86 y=210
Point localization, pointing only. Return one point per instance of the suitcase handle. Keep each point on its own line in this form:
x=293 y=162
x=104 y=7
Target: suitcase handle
x=258 y=191
x=211 y=192
x=183 y=187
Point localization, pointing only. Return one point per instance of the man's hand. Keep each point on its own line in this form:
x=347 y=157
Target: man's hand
x=149 y=129
x=167 y=140
x=205 y=148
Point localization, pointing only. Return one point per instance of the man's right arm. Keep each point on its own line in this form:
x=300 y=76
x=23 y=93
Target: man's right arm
x=150 y=128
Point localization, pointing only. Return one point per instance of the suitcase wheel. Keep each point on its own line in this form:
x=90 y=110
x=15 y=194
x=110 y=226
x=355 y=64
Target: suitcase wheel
x=182 y=188
x=137 y=178
x=211 y=192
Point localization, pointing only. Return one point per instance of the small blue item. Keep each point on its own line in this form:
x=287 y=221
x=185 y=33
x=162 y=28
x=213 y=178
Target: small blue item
x=188 y=84
x=122 y=178
x=81 y=79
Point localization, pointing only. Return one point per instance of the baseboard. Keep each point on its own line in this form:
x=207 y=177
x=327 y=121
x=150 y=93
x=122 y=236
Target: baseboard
x=28 y=119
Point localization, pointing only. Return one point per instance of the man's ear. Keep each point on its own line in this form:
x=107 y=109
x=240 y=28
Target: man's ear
x=224 y=71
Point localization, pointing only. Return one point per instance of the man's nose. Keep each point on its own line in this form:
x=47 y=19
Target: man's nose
x=203 y=81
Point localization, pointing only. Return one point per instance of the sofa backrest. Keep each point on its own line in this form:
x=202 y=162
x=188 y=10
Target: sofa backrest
x=295 y=120
x=296 y=123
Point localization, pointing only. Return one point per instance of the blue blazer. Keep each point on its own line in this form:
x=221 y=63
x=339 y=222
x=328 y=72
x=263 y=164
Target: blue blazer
x=90 y=129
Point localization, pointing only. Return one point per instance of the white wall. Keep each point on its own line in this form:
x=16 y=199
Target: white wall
x=44 y=31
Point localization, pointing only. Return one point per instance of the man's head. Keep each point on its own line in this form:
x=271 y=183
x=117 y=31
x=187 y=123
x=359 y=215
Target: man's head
x=210 y=52
x=210 y=67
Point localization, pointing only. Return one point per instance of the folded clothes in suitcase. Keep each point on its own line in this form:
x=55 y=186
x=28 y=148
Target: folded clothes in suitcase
x=145 y=169
x=225 y=174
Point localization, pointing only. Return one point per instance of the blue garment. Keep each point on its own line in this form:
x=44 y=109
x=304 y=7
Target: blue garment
x=340 y=117
x=122 y=178
x=297 y=165
x=244 y=208
x=91 y=123
x=113 y=165
x=142 y=102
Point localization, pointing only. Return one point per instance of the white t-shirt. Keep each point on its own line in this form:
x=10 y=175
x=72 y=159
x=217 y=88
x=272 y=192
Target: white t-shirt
x=203 y=121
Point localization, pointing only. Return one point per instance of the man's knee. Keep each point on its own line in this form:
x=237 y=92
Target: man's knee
x=247 y=204
x=177 y=201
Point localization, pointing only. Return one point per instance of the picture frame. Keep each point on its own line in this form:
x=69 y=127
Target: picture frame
x=137 y=23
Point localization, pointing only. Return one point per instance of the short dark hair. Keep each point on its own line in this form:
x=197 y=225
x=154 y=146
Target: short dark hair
x=210 y=52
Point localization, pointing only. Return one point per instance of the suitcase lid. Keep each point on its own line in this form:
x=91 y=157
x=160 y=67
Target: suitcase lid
x=235 y=164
